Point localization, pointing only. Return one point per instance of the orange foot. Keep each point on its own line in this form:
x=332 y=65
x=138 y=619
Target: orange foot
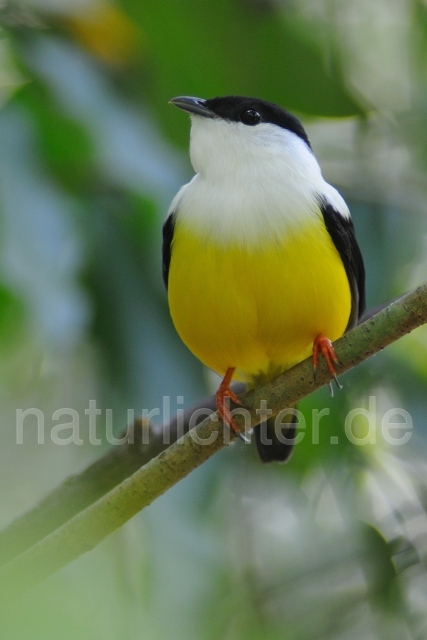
x=223 y=406
x=323 y=345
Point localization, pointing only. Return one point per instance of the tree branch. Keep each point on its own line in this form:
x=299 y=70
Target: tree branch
x=86 y=529
x=144 y=442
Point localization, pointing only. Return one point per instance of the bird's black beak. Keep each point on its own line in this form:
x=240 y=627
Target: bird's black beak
x=196 y=106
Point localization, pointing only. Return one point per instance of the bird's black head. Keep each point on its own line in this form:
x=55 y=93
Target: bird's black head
x=249 y=111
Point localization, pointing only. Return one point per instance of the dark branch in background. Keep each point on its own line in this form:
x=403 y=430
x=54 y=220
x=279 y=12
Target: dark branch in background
x=144 y=442
x=91 y=525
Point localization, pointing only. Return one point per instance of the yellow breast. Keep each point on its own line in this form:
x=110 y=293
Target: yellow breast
x=257 y=308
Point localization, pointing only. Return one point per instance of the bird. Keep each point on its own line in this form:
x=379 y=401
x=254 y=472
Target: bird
x=260 y=258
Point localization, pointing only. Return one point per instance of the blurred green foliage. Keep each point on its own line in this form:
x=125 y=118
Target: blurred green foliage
x=333 y=545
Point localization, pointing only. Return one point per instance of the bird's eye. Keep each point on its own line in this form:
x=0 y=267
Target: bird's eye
x=250 y=117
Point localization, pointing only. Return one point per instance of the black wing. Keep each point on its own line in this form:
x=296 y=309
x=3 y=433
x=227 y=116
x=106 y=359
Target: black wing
x=168 y=229
x=341 y=230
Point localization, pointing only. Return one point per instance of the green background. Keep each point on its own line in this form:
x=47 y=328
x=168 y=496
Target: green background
x=332 y=545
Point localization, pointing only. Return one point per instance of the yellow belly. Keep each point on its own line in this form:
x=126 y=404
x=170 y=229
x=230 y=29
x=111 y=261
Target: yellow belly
x=257 y=309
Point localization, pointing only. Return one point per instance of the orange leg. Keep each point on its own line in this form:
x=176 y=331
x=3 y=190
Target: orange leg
x=223 y=406
x=323 y=345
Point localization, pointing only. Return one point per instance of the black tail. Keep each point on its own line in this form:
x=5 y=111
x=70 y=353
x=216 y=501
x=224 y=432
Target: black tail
x=275 y=444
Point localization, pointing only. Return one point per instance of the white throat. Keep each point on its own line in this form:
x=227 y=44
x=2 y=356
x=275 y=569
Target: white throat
x=251 y=183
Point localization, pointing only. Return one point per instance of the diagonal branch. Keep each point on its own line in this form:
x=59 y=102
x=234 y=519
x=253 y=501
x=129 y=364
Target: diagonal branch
x=141 y=441
x=89 y=527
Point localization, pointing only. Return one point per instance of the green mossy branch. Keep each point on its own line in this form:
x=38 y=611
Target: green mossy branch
x=86 y=529
x=143 y=442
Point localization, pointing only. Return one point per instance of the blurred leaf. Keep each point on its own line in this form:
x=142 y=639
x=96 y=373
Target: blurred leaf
x=10 y=76
x=64 y=142
x=41 y=248
x=140 y=219
x=11 y=317
x=380 y=570
x=106 y=31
